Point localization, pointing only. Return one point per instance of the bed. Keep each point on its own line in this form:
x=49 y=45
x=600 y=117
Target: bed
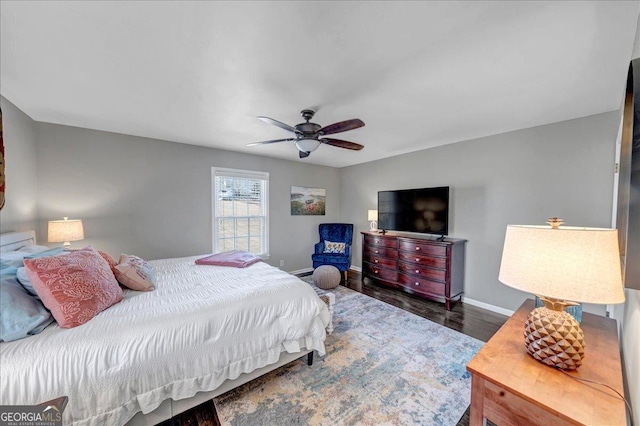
x=203 y=331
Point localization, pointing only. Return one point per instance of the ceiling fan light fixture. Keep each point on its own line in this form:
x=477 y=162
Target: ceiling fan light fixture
x=307 y=144
x=307 y=134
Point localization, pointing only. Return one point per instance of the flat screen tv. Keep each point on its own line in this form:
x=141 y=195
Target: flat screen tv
x=423 y=210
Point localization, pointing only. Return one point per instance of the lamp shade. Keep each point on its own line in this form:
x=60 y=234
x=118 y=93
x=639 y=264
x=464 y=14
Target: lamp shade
x=65 y=230
x=373 y=215
x=568 y=263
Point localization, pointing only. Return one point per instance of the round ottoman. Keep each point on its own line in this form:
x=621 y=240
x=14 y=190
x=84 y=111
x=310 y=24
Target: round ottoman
x=326 y=277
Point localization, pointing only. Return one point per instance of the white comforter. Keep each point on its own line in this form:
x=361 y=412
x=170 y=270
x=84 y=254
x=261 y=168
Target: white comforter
x=201 y=326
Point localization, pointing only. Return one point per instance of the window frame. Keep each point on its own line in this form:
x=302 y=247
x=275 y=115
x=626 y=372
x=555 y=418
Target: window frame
x=264 y=202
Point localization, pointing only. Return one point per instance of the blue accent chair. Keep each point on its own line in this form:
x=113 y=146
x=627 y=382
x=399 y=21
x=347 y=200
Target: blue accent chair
x=337 y=233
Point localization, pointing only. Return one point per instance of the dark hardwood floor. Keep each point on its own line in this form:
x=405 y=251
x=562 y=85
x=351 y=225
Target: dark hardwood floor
x=470 y=320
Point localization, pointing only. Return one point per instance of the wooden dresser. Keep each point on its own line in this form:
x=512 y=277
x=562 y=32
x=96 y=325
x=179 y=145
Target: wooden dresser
x=420 y=265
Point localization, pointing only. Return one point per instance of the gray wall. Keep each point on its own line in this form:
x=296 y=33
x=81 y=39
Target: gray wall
x=152 y=198
x=19 y=136
x=523 y=177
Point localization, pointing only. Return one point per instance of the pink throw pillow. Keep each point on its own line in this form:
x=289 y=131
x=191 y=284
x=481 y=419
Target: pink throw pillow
x=75 y=287
x=135 y=273
x=110 y=260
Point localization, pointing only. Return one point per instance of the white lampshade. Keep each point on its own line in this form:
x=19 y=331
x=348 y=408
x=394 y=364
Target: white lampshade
x=373 y=215
x=568 y=263
x=64 y=231
x=307 y=145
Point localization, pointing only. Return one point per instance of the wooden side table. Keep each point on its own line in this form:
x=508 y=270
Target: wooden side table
x=509 y=387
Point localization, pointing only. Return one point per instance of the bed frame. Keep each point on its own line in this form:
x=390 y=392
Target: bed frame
x=170 y=408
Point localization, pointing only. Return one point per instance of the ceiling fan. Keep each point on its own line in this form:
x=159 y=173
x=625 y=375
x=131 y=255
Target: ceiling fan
x=309 y=136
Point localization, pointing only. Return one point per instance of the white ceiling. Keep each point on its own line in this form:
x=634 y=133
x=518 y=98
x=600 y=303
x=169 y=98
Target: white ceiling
x=419 y=74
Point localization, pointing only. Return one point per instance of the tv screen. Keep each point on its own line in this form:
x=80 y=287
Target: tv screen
x=414 y=210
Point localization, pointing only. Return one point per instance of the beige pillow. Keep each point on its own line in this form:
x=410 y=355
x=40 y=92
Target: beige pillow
x=135 y=273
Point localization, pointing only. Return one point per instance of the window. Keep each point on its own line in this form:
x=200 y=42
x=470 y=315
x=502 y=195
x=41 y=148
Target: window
x=240 y=211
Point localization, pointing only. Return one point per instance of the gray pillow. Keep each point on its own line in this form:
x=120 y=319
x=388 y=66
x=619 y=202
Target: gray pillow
x=47 y=253
x=15 y=257
x=21 y=314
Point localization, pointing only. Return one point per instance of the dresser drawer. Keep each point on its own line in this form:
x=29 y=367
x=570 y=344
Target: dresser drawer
x=422 y=247
x=422 y=272
x=381 y=251
x=378 y=272
x=381 y=261
x=421 y=285
x=375 y=240
x=423 y=260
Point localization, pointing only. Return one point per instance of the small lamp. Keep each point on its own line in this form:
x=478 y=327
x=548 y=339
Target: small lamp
x=65 y=231
x=373 y=217
x=561 y=265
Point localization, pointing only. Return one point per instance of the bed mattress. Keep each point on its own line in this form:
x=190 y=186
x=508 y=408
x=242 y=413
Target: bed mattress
x=201 y=326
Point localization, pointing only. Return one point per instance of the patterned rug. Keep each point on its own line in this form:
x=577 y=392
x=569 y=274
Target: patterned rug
x=384 y=366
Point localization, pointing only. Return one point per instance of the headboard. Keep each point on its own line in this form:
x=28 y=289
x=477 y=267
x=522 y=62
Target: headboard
x=14 y=240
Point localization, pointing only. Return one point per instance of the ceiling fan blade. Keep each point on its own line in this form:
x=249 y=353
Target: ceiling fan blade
x=278 y=123
x=271 y=141
x=303 y=154
x=342 y=126
x=342 y=144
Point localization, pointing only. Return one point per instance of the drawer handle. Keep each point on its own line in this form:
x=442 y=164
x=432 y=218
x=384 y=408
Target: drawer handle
x=376 y=260
x=417 y=271
x=417 y=259
x=375 y=272
x=417 y=283
x=417 y=248
x=376 y=252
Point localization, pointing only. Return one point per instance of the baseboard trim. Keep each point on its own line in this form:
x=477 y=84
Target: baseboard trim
x=487 y=306
x=300 y=272
x=308 y=271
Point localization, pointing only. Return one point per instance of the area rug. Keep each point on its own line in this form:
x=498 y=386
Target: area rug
x=384 y=366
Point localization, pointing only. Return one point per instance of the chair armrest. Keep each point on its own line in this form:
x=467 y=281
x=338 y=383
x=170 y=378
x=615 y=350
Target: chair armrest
x=347 y=250
x=318 y=247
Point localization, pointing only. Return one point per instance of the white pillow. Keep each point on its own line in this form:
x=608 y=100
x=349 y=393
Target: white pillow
x=333 y=247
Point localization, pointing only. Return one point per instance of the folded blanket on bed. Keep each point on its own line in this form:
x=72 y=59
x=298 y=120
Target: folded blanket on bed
x=234 y=258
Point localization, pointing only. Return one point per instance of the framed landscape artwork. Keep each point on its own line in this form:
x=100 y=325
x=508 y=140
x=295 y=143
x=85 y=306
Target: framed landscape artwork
x=307 y=201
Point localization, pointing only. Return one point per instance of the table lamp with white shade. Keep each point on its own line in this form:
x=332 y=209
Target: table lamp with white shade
x=65 y=231
x=373 y=218
x=561 y=265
